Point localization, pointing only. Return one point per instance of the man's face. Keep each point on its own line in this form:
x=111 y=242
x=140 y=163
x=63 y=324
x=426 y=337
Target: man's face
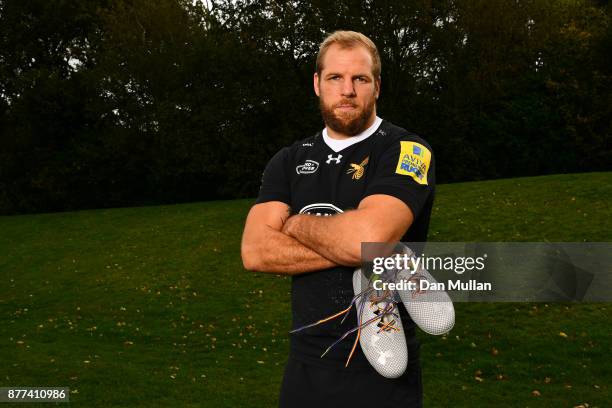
x=347 y=89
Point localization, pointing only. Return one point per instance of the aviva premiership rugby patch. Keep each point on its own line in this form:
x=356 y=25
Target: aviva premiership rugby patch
x=414 y=161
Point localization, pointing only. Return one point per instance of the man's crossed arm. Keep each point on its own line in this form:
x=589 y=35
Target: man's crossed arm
x=274 y=242
x=266 y=249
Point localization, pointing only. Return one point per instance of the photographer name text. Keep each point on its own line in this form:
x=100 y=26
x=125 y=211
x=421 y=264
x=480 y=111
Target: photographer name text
x=421 y=285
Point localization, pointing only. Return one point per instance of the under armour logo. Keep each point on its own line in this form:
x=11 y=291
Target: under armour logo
x=330 y=158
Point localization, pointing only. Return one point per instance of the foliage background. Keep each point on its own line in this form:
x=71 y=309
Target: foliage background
x=131 y=102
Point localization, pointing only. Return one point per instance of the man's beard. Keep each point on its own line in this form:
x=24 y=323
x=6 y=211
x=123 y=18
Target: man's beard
x=349 y=124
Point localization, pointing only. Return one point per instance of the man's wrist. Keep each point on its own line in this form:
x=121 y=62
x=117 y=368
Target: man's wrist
x=290 y=226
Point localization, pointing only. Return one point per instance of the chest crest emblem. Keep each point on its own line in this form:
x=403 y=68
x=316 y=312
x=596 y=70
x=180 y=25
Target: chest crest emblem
x=358 y=169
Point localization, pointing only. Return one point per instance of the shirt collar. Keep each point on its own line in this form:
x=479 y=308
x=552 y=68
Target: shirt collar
x=340 y=144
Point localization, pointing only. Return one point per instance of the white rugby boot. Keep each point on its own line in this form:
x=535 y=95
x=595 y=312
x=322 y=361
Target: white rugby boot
x=431 y=310
x=382 y=339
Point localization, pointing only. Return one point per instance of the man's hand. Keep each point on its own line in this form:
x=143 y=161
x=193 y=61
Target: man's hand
x=266 y=249
x=379 y=218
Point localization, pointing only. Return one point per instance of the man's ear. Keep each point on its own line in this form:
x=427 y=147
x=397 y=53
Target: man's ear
x=316 y=84
x=377 y=87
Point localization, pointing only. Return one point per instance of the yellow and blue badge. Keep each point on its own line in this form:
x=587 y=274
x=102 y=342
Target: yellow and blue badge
x=414 y=161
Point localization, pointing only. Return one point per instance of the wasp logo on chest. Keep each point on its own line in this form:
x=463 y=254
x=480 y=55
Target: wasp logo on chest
x=358 y=169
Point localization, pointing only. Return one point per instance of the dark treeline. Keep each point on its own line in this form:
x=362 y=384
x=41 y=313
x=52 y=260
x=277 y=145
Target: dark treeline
x=124 y=102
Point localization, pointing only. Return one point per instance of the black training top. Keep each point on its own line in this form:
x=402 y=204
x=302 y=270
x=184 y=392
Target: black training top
x=312 y=178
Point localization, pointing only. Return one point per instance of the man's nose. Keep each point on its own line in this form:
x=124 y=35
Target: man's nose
x=348 y=87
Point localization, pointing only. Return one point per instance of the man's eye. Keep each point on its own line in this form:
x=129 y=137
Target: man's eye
x=361 y=79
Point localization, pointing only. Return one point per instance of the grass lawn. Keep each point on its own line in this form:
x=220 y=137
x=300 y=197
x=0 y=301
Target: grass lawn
x=151 y=306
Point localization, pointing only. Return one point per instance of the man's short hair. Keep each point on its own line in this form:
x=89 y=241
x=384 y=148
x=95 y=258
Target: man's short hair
x=349 y=39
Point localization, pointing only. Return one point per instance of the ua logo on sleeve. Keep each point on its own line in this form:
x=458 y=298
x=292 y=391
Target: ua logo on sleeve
x=414 y=160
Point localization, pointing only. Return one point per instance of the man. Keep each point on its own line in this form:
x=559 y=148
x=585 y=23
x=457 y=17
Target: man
x=361 y=179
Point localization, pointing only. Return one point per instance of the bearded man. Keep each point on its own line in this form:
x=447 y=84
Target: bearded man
x=361 y=179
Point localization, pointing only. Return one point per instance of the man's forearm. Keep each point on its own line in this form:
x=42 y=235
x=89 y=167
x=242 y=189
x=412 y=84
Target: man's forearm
x=379 y=218
x=337 y=238
x=280 y=253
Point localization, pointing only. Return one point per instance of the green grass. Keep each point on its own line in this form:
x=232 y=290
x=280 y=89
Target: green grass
x=151 y=307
